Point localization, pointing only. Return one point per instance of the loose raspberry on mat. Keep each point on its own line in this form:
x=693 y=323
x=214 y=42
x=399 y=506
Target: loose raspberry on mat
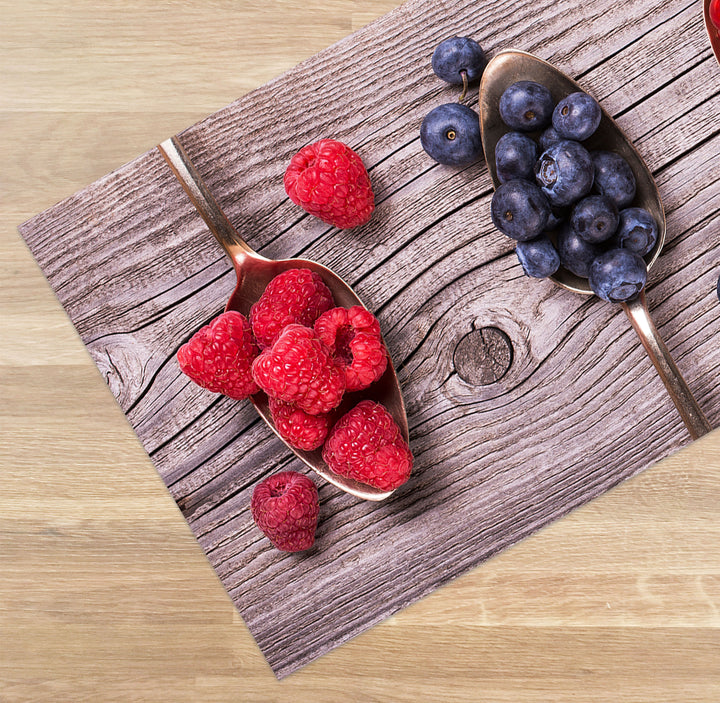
x=329 y=180
x=298 y=428
x=219 y=356
x=294 y=296
x=366 y=444
x=353 y=337
x=285 y=507
x=298 y=368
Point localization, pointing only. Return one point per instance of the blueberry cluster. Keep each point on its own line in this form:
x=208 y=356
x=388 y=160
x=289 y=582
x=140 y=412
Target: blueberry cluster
x=563 y=204
x=450 y=133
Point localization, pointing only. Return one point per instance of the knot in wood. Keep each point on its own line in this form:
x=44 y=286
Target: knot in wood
x=483 y=356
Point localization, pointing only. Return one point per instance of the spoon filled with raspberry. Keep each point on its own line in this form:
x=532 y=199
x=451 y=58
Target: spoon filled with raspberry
x=589 y=215
x=296 y=341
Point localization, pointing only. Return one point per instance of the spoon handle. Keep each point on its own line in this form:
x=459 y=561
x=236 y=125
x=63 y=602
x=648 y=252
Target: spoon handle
x=690 y=412
x=193 y=184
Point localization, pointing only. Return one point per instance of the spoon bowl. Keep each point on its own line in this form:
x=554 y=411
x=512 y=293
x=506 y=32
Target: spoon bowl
x=254 y=272
x=511 y=66
x=503 y=70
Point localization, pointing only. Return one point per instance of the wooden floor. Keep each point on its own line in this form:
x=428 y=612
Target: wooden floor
x=104 y=593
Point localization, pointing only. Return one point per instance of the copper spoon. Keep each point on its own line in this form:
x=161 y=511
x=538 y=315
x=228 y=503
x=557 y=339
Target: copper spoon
x=712 y=30
x=254 y=272
x=508 y=67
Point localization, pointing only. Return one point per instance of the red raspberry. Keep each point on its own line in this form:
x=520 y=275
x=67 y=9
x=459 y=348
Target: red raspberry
x=366 y=444
x=714 y=13
x=329 y=180
x=353 y=336
x=298 y=428
x=299 y=369
x=294 y=296
x=285 y=507
x=219 y=356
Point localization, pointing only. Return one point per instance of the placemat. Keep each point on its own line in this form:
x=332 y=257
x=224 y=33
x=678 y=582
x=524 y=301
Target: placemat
x=524 y=400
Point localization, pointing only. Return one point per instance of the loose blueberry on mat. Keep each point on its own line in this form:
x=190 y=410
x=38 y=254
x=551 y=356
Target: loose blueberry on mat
x=576 y=253
x=450 y=134
x=538 y=257
x=637 y=230
x=595 y=218
x=455 y=55
x=519 y=209
x=576 y=116
x=564 y=171
x=613 y=177
x=526 y=106
x=515 y=157
x=548 y=138
x=618 y=275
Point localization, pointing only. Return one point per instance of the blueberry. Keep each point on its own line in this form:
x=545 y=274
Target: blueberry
x=515 y=157
x=618 y=275
x=548 y=138
x=450 y=133
x=595 y=218
x=558 y=215
x=613 y=177
x=564 y=171
x=455 y=55
x=538 y=257
x=519 y=209
x=576 y=253
x=576 y=116
x=526 y=106
x=637 y=231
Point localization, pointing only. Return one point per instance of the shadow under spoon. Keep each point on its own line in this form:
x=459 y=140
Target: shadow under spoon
x=506 y=68
x=254 y=272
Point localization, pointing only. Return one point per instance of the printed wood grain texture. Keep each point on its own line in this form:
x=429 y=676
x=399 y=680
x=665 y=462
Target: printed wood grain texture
x=578 y=410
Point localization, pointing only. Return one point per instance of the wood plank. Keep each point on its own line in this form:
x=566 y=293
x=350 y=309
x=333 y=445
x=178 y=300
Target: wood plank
x=494 y=462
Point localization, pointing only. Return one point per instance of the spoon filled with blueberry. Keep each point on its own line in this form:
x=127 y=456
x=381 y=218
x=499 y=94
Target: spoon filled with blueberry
x=576 y=197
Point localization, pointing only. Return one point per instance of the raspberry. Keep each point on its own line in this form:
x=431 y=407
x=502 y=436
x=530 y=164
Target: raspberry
x=329 y=180
x=219 y=356
x=294 y=296
x=299 y=429
x=714 y=13
x=285 y=507
x=353 y=337
x=299 y=369
x=366 y=444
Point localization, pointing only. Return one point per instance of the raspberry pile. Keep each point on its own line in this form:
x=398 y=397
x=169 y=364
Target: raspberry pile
x=297 y=295
x=366 y=445
x=219 y=356
x=299 y=369
x=309 y=356
x=353 y=338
